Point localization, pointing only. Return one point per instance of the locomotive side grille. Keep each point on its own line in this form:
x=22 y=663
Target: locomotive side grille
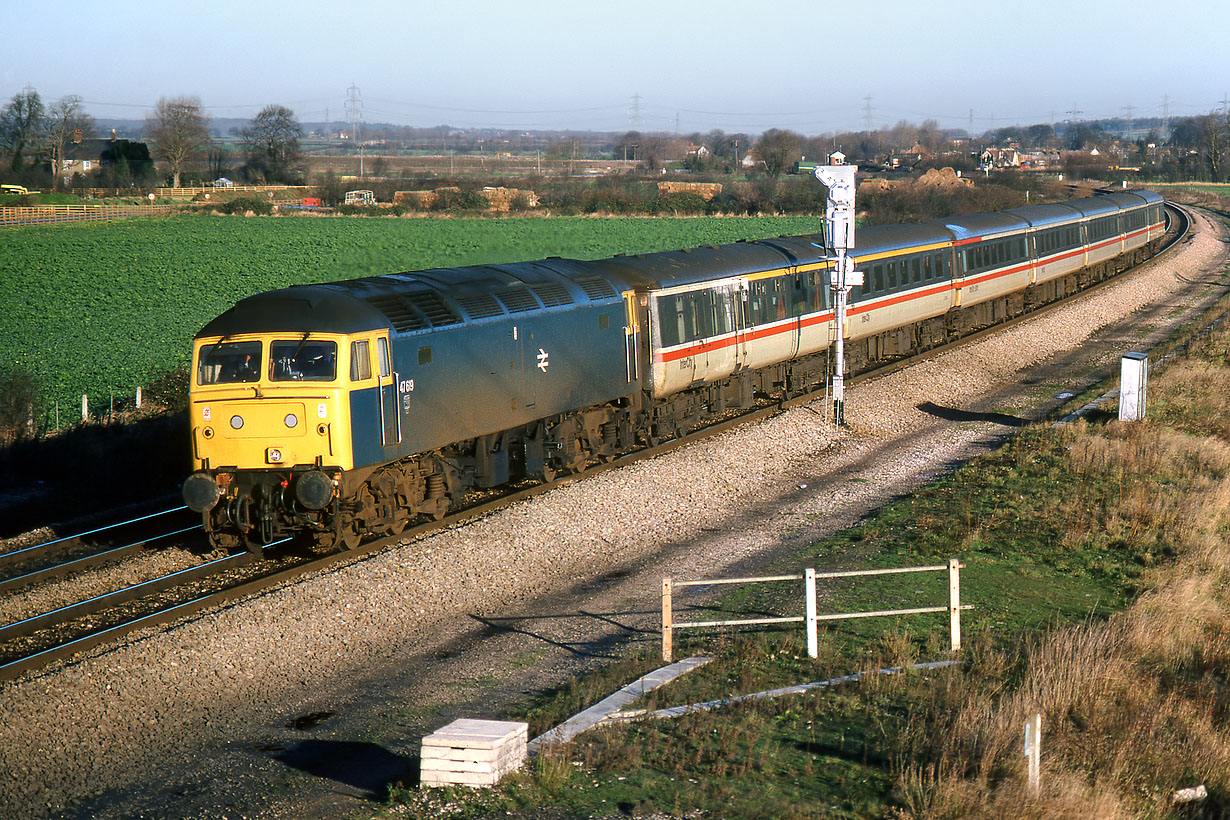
x=480 y=305
x=414 y=311
x=434 y=308
x=553 y=294
x=596 y=288
x=517 y=300
x=401 y=315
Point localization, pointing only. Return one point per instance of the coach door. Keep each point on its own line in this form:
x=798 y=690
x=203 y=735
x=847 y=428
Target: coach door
x=743 y=321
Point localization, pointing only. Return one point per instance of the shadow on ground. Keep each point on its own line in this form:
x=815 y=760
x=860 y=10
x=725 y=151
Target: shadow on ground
x=368 y=767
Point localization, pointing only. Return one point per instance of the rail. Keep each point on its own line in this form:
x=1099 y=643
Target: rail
x=811 y=618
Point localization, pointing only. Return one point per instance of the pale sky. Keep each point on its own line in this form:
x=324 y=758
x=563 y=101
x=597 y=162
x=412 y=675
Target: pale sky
x=617 y=64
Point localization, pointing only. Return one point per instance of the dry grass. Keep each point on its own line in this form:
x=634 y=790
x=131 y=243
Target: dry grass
x=1136 y=706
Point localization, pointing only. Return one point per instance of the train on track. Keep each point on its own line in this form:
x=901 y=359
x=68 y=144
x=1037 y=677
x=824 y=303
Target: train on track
x=342 y=410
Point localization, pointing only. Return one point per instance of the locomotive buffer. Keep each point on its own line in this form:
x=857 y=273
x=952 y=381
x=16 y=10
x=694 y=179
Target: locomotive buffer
x=838 y=239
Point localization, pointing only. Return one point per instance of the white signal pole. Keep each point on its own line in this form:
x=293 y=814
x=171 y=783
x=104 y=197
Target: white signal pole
x=838 y=238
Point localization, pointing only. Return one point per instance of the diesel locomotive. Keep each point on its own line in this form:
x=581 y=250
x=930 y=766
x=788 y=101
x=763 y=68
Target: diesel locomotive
x=339 y=410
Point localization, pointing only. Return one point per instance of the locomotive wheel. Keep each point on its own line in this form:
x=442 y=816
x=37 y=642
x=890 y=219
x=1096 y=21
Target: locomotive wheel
x=222 y=544
x=351 y=539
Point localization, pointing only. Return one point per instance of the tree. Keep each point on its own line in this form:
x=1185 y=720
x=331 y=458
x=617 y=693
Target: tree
x=272 y=143
x=179 y=130
x=21 y=125
x=67 y=124
x=778 y=149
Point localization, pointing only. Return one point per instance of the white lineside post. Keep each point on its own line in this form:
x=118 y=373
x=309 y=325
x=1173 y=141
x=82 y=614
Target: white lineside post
x=1133 y=385
x=138 y=398
x=954 y=602
x=1033 y=752
x=85 y=408
x=667 y=629
x=838 y=238
x=809 y=593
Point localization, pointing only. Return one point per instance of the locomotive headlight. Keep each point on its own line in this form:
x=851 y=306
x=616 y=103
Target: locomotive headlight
x=273 y=455
x=291 y=420
x=236 y=422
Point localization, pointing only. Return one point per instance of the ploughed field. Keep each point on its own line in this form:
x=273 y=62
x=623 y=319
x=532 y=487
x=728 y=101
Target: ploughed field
x=106 y=307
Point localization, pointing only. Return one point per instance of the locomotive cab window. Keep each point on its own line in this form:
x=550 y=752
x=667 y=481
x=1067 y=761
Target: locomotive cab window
x=360 y=360
x=229 y=363
x=304 y=360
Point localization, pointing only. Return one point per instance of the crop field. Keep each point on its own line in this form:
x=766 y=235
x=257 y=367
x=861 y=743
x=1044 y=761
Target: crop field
x=102 y=308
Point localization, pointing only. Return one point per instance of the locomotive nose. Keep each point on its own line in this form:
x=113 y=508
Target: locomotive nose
x=201 y=492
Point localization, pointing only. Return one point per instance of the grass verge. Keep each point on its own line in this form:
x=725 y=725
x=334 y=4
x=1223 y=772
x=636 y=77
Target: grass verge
x=1097 y=556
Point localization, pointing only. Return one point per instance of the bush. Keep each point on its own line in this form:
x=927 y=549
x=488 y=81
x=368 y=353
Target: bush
x=21 y=401
x=170 y=390
x=243 y=204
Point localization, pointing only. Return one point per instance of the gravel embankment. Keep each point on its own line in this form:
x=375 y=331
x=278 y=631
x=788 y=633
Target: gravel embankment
x=131 y=718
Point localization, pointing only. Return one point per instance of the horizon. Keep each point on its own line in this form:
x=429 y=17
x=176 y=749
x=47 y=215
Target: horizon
x=547 y=66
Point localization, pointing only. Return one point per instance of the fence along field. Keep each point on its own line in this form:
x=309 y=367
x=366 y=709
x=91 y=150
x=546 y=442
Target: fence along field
x=102 y=308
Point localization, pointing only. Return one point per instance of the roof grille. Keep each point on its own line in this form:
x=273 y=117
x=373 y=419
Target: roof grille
x=433 y=307
x=517 y=300
x=480 y=305
x=403 y=317
x=553 y=294
x=596 y=288
x=414 y=311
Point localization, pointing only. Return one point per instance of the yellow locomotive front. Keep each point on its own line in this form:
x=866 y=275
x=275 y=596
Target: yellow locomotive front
x=269 y=416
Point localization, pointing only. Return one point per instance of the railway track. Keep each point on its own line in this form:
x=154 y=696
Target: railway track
x=33 y=642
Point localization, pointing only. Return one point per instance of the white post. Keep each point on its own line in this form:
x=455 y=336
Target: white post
x=138 y=398
x=85 y=408
x=1033 y=752
x=954 y=602
x=667 y=628
x=1133 y=384
x=809 y=592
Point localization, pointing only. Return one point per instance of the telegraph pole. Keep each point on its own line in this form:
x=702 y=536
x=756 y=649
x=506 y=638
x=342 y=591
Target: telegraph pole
x=838 y=239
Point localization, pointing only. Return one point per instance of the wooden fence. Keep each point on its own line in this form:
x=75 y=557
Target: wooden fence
x=209 y=189
x=48 y=214
x=811 y=618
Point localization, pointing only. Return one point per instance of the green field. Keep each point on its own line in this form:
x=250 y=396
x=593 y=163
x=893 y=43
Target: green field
x=109 y=306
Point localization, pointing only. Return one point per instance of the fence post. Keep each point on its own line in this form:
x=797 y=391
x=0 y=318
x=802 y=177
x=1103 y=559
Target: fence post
x=954 y=601
x=809 y=591
x=85 y=408
x=666 y=620
x=1033 y=752
x=138 y=398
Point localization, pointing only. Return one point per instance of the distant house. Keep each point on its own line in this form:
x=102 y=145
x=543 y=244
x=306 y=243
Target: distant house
x=91 y=155
x=698 y=151
x=223 y=182
x=1001 y=158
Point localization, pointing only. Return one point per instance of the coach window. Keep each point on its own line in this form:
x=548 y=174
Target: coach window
x=360 y=360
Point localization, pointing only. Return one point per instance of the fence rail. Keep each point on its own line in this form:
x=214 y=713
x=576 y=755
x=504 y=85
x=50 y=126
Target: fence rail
x=811 y=616
x=209 y=189
x=48 y=214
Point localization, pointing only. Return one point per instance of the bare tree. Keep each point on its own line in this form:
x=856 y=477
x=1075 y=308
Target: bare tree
x=1213 y=144
x=778 y=150
x=67 y=124
x=179 y=130
x=21 y=125
x=272 y=143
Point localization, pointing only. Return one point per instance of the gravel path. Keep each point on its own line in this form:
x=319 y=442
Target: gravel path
x=196 y=720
